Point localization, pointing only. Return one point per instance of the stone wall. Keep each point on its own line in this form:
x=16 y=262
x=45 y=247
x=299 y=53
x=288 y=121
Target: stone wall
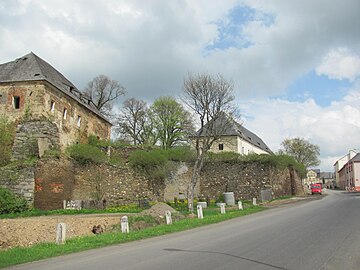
x=177 y=181
x=33 y=138
x=63 y=179
x=19 y=179
x=246 y=180
x=55 y=180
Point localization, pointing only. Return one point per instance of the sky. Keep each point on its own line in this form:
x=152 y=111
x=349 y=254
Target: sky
x=295 y=64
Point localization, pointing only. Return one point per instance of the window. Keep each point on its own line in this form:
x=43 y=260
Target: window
x=221 y=146
x=16 y=102
x=79 y=121
x=52 y=106
x=65 y=113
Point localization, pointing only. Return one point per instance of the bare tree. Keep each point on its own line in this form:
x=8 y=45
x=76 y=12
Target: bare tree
x=210 y=98
x=103 y=92
x=131 y=119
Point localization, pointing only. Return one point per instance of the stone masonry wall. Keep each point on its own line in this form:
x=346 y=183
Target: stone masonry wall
x=63 y=179
x=55 y=180
x=19 y=179
x=33 y=138
x=246 y=180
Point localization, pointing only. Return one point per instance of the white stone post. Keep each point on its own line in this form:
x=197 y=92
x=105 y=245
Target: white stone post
x=240 y=205
x=124 y=224
x=64 y=204
x=222 y=208
x=254 y=201
x=60 y=233
x=199 y=211
x=168 y=217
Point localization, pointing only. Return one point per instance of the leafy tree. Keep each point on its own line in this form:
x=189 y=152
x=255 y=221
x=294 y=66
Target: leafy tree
x=7 y=131
x=132 y=118
x=303 y=151
x=103 y=92
x=171 y=120
x=210 y=97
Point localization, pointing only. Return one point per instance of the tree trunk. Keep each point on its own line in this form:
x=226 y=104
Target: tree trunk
x=194 y=179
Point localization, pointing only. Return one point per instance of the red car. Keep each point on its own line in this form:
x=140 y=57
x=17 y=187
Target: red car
x=316 y=188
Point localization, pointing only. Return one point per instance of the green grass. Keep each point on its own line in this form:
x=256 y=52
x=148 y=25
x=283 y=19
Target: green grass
x=46 y=250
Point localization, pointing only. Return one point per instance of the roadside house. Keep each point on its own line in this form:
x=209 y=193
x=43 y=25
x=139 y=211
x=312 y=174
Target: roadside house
x=339 y=164
x=233 y=137
x=349 y=174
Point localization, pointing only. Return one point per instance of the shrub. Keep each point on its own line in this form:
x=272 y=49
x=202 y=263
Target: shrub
x=180 y=153
x=147 y=160
x=94 y=141
x=85 y=153
x=11 y=203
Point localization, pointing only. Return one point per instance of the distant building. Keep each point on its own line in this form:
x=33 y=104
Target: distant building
x=233 y=137
x=349 y=174
x=311 y=177
x=34 y=92
x=339 y=164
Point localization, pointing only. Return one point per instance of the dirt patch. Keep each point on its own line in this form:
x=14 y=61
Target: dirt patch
x=26 y=232
x=158 y=210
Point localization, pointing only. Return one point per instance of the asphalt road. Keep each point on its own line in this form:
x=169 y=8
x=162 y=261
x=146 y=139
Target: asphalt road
x=317 y=234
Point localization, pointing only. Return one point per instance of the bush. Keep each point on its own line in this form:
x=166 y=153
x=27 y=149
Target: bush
x=85 y=153
x=11 y=203
x=147 y=160
x=180 y=153
x=94 y=141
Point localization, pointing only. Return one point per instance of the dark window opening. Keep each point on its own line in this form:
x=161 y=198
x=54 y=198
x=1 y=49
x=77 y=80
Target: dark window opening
x=52 y=106
x=221 y=146
x=16 y=102
x=65 y=114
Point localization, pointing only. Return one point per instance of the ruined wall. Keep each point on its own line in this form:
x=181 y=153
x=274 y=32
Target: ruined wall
x=54 y=182
x=177 y=181
x=40 y=100
x=246 y=180
x=33 y=138
x=57 y=180
x=19 y=179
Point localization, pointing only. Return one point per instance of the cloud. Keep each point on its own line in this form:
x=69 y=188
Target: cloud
x=150 y=46
x=340 y=64
x=335 y=128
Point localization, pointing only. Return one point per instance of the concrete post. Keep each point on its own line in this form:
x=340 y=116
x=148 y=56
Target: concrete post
x=168 y=217
x=222 y=208
x=60 y=233
x=240 y=205
x=124 y=224
x=254 y=201
x=199 y=211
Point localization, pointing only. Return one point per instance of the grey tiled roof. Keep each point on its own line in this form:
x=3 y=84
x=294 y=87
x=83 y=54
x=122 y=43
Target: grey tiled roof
x=232 y=128
x=30 y=67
